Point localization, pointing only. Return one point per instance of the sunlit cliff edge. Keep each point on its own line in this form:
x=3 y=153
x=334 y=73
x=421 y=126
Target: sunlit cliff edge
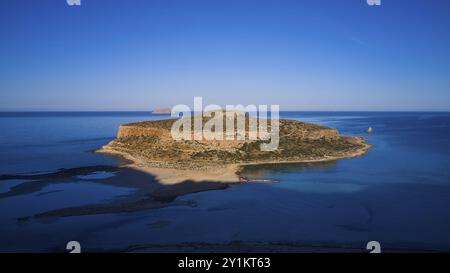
x=149 y=144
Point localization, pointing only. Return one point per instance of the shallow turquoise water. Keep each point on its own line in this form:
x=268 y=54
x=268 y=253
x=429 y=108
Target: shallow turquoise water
x=398 y=193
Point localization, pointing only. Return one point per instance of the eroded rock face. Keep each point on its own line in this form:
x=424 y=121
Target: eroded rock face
x=299 y=141
x=161 y=129
x=135 y=131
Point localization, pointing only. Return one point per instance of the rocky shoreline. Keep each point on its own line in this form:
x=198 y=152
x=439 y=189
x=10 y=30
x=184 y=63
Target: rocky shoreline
x=150 y=148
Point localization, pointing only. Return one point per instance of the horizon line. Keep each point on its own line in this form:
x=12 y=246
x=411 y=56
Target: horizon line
x=150 y=111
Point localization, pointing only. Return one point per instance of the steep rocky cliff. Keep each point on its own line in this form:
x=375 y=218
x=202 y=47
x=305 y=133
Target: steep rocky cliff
x=298 y=141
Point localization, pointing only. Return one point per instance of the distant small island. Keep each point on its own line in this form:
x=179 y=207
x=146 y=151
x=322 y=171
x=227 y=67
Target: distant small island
x=151 y=148
x=162 y=111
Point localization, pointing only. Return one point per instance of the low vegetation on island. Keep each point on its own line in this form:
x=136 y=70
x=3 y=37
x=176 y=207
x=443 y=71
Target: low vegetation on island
x=150 y=144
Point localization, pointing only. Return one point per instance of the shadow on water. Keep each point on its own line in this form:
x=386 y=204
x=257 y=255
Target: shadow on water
x=148 y=192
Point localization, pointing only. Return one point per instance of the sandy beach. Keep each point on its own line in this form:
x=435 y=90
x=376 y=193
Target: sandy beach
x=223 y=173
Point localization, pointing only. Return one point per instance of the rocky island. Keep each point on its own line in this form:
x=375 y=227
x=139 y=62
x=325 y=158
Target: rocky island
x=161 y=111
x=161 y=169
x=151 y=148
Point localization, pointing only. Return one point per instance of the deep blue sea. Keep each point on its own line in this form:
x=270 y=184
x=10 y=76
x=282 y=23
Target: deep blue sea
x=397 y=194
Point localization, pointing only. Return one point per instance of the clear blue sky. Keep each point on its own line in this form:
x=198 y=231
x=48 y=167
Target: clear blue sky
x=303 y=55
